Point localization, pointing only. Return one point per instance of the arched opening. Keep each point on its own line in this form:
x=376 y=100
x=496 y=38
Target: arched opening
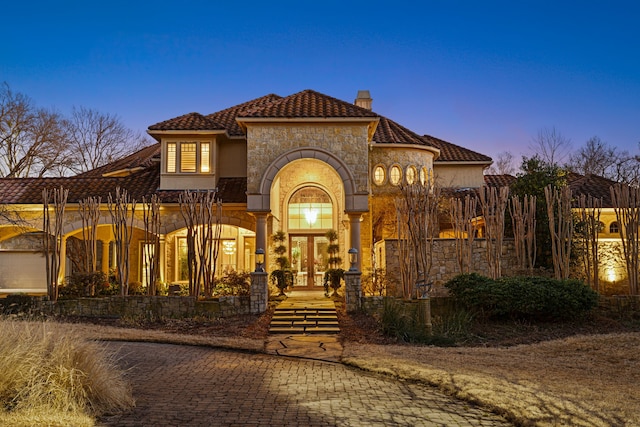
x=310 y=214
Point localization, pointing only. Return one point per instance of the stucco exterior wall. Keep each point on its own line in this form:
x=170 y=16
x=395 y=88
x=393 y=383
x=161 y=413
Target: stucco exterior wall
x=459 y=176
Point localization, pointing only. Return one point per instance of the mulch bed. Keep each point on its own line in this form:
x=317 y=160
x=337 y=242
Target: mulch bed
x=365 y=329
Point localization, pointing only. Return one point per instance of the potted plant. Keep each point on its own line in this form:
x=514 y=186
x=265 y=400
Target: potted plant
x=334 y=274
x=283 y=276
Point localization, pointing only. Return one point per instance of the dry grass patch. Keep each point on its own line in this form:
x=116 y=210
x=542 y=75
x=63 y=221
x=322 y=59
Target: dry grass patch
x=50 y=375
x=579 y=381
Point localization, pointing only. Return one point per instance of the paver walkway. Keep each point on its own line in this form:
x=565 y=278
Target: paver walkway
x=196 y=386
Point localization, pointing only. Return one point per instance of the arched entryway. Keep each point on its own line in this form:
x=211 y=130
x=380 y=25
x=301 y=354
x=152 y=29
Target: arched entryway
x=310 y=214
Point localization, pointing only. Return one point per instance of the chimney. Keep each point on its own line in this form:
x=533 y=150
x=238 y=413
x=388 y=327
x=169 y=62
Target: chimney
x=363 y=99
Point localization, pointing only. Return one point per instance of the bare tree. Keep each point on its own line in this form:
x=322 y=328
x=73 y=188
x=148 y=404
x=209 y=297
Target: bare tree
x=626 y=204
x=417 y=216
x=464 y=220
x=599 y=158
x=561 y=228
x=151 y=252
x=589 y=210
x=89 y=210
x=95 y=139
x=31 y=139
x=53 y=236
x=493 y=202
x=551 y=146
x=523 y=221
x=203 y=216
x=122 y=210
x=503 y=165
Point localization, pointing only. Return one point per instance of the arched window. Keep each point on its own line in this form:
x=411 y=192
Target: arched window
x=310 y=208
x=614 y=228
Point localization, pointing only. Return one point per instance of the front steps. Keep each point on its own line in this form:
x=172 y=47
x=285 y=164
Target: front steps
x=296 y=316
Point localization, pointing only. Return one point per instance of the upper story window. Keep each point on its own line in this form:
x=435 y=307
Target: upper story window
x=379 y=175
x=410 y=175
x=614 y=228
x=188 y=157
x=395 y=175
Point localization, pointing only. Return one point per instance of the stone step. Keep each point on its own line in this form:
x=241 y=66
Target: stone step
x=305 y=317
x=305 y=323
x=304 y=330
x=305 y=311
x=294 y=317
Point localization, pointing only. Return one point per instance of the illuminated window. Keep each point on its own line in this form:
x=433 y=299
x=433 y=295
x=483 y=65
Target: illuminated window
x=379 y=175
x=171 y=157
x=310 y=208
x=188 y=157
x=411 y=174
x=423 y=175
x=614 y=228
x=395 y=175
x=204 y=158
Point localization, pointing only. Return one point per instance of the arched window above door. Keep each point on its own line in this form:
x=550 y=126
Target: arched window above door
x=310 y=208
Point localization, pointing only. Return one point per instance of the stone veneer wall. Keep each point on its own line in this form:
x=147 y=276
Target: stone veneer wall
x=445 y=262
x=149 y=307
x=266 y=142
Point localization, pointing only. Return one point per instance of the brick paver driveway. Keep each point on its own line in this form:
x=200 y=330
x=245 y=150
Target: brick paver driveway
x=195 y=386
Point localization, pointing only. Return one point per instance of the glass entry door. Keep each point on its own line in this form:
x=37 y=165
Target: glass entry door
x=308 y=255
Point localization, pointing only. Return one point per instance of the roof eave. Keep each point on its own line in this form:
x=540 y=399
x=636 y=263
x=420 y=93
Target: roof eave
x=434 y=150
x=371 y=128
x=158 y=134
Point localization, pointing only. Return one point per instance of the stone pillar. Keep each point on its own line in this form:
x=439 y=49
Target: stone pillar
x=259 y=292
x=354 y=229
x=353 y=290
x=63 y=260
x=105 y=257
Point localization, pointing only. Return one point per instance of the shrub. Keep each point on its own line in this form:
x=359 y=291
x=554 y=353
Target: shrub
x=405 y=321
x=85 y=284
x=233 y=283
x=530 y=297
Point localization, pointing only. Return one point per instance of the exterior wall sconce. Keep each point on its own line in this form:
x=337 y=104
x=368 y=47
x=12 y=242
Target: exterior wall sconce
x=353 y=259
x=259 y=260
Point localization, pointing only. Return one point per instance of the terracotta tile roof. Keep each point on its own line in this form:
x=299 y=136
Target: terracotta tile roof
x=593 y=185
x=308 y=104
x=230 y=190
x=227 y=117
x=450 y=152
x=191 y=121
x=29 y=190
x=141 y=158
x=389 y=131
x=499 y=180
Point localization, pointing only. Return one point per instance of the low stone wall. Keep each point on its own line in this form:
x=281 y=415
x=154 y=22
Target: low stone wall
x=621 y=305
x=149 y=307
x=440 y=306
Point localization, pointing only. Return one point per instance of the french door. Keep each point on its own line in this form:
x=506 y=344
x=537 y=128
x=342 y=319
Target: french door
x=309 y=256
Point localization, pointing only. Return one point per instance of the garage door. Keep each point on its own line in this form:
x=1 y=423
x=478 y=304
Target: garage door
x=22 y=272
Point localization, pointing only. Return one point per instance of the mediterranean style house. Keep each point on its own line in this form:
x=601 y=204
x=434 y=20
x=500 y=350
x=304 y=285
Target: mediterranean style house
x=302 y=164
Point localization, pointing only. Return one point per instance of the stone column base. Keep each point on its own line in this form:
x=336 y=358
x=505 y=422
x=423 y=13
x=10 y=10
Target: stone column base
x=259 y=292
x=353 y=290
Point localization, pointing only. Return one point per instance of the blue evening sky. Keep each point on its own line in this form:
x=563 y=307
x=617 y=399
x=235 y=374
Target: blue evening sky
x=485 y=75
